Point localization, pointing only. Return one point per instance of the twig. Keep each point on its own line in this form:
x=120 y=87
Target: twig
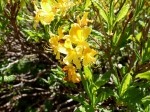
x=69 y=108
x=23 y=95
x=9 y=65
x=58 y=107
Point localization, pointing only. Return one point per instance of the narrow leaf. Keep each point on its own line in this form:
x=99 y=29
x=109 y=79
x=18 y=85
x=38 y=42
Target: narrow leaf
x=115 y=80
x=103 y=80
x=122 y=13
x=88 y=74
x=146 y=52
x=125 y=83
x=144 y=75
x=104 y=95
x=115 y=39
x=97 y=33
x=138 y=36
x=111 y=17
x=101 y=11
x=86 y=84
x=87 y=4
x=146 y=100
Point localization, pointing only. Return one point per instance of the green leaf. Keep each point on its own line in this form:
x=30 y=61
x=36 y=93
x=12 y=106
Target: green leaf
x=87 y=4
x=139 y=7
x=133 y=96
x=88 y=74
x=125 y=83
x=104 y=94
x=103 y=80
x=146 y=100
x=7 y=79
x=22 y=3
x=97 y=34
x=86 y=84
x=115 y=39
x=81 y=109
x=146 y=51
x=89 y=85
x=147 y=109
x=80 y=98
x=101 y=11
x=138 y=36
x=115 y=80
x=122 y=13
x=144 y=75
x=111 y=17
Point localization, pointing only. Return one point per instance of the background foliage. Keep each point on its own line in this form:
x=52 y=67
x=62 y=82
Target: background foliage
x=31 y=79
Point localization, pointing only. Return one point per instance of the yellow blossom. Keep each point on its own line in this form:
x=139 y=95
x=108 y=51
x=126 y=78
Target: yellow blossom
x=54 y=41
x=57 y=43
x=72 y=57
x=43 y=17
x=84 y=20
x=45 y=14
x=49 y=9
x=72 y=76
x=88 y=56
x=79 y=35
x=64 y=5
x=68 y=43
x=74 y=46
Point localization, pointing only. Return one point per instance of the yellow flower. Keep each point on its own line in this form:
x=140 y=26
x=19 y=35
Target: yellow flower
x=49 y=5
x=57 y=43
x=54 y=42
x=64 y=5
x=79 y=35
x=88 y=56
x=77 y=48
x=49 y=9
x=72 y=76
x=44 y=15
x=84 y=20
x=72 y=57
x=74 y=46
x=68 y=43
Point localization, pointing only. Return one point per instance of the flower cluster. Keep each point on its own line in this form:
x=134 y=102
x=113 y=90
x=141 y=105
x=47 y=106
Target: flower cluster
x=75 y=48
x=49 y=9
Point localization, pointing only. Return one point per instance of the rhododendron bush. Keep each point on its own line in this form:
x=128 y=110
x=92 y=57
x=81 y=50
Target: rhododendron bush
x=74 y=55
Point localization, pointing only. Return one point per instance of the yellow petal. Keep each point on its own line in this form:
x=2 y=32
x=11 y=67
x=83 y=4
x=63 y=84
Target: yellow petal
x=78 y=34
x=76 y=78
x=72 y=57
x=45 y=5
x=84 y=21
x=62 y=49
x=72 y=76
x=86 y=32
x=68 y=44
x=73 y=32
x=68 y=59
x=77 y=62
x=58 y=55
x=88 y=56
x=46 y=17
